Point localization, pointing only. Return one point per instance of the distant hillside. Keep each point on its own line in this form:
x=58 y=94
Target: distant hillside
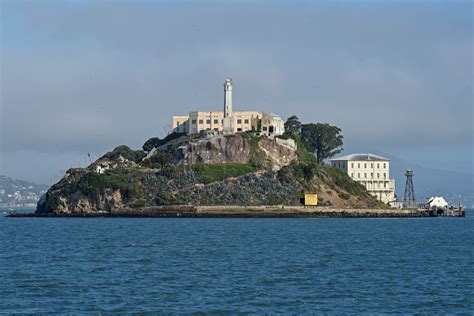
x=19 y=194
x=456 y=187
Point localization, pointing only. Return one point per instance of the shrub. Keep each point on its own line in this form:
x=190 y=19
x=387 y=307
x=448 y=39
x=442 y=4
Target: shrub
x=151 y=143
x=127 y=153
x=93 y=184
x=139 y=203
x=303 y=154
x=344 y=196
x=218 y=172
x=341 y=179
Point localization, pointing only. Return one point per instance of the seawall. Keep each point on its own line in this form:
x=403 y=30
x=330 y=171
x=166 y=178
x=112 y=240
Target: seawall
x=242 y=211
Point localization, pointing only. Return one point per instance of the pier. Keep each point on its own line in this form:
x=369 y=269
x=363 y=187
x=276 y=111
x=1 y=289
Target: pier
x=249 y=211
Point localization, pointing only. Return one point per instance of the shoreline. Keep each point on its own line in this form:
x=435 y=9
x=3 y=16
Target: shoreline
x=176 y=211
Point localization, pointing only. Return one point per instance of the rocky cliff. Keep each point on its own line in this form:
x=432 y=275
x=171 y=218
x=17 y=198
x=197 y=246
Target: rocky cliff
x=202 y=169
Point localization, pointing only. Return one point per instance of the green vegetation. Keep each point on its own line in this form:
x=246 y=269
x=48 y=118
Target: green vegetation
x=344 y=196
x=139 y=203
x=257 y=158
x=127 y=153
x=93 y=184
x=304 y=155
x=292 y=126
x=341 y=179
x=54 y=204
x=323 y=139
x=159 y=160
x=157 y=142
x=218 y=172
x=151 y=143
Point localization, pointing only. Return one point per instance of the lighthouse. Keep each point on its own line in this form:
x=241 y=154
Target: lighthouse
x=228 y=121
x=228 y=98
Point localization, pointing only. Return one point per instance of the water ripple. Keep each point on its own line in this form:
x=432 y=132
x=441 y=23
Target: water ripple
x=223 y=266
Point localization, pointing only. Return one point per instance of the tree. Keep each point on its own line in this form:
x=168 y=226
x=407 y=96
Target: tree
x=292 y=126
x=151 y=143
x=164 y=159
x=323 y=139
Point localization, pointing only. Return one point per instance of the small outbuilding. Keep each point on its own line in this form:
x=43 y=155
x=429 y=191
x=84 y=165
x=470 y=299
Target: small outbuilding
x=436 y=201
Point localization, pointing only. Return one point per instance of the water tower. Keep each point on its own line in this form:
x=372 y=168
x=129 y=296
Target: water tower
x=409 y=198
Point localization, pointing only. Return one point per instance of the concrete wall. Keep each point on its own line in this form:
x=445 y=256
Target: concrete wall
x=241 y=122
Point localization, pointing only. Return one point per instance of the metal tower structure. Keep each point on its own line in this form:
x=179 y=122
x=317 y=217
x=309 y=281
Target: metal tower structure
x=409 y=198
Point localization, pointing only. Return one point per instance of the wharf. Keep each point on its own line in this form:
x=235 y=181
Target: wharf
x=246 y=211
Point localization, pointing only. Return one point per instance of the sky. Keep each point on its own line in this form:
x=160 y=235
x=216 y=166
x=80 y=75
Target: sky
x=81 y=77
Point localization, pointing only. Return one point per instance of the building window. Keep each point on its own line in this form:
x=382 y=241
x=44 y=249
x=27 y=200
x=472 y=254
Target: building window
x=246 y=121
x=201 y=122
x=193 y=122
x=216 y=121
x=365 y=165
x=378 y=165
x=352 y=165
x=352 y=175
x=378 y=175
x=385 y=184
x=385 y=176
x=264 y=128
x=239 y=121
x=358 y=165
x=365 y=175
x=208 y=121
x=372 y=165
x=177 y=124
x=358 y=175
x=216 y=129
x=239 y=129
x=372 y=175
x=384 y=165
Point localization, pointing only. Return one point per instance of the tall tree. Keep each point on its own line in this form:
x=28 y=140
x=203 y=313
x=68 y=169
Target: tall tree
x=292 y=126
x=323 y=139
x=150 y=144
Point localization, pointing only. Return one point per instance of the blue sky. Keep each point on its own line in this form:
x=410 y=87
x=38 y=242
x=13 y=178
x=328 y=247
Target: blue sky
x=86 y=76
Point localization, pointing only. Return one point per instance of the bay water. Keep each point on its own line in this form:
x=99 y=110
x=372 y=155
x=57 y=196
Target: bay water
x=231 y=265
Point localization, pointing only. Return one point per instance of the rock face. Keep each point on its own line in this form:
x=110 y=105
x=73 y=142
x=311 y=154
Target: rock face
x=240 y=170
x=233 y=148
x=218 y=149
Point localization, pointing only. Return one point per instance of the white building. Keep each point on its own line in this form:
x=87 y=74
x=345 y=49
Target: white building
x=228 y=121
x=436 y=201
x=372 y=171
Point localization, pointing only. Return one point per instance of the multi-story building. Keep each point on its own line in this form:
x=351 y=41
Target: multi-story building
x=370 y=170
x=228 y=121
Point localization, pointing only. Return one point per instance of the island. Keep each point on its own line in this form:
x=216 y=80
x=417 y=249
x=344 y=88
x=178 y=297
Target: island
x=221 y=163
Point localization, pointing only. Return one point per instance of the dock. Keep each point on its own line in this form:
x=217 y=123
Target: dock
x=249 y=211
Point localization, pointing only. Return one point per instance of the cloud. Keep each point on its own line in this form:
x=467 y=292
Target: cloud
x=87 y=76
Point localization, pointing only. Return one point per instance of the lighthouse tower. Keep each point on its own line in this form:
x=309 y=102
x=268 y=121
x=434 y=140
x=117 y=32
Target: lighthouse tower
x=228 y=98
x=228 y=115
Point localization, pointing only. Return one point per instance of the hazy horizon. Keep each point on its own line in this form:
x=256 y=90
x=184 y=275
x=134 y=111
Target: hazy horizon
x=81 y=77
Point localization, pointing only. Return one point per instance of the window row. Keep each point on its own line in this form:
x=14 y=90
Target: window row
x=371 y=175
x=239 y=121
x=371 y=165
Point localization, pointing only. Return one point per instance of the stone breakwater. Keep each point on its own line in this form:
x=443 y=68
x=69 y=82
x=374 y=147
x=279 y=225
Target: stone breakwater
x=241 y=211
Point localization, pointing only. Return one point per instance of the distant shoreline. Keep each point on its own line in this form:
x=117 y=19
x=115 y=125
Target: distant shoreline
x=242 y=211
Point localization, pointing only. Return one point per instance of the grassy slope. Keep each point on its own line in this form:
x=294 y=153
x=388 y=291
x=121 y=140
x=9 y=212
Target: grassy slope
x=218 y=172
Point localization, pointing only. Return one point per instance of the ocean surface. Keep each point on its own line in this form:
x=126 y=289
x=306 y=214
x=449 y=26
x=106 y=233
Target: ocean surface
x=295 y=266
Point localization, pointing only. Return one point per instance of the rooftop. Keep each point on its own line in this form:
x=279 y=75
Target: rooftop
x=361 y=157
